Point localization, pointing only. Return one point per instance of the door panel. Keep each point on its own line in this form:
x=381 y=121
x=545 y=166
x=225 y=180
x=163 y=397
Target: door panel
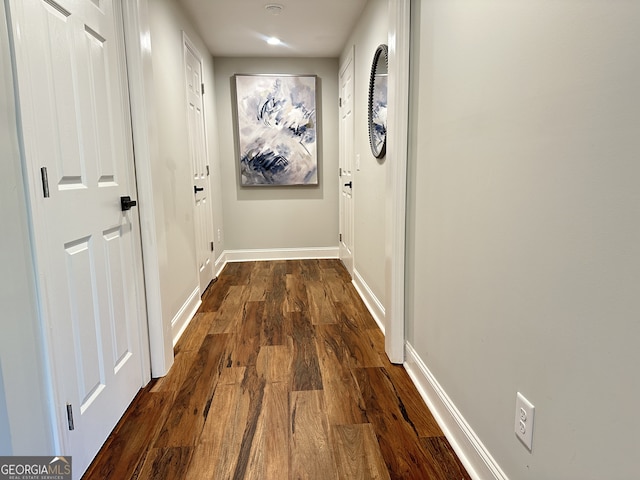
x=346 y=163
x=198 y=152
x=115 y=249
x=73 y=102
x=82 y=285
x=57 y=73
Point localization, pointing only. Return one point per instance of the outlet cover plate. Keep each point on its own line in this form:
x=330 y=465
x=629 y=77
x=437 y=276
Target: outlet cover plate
x=525 y=412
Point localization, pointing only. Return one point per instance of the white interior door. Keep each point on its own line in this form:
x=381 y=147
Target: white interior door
x=74 y=106
x=198 y=155
x=346 y=163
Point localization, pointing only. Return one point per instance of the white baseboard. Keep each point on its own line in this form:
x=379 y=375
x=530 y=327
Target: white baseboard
x=219 y=264
x=374 y=305
x=279 y=254
x=472 y=453
x=184 y=315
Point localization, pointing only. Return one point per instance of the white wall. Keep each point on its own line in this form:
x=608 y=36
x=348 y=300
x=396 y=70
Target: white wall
x=172 y=176
x=524 y=225
x=280 y=217
x=369 y=183
x=24 y=424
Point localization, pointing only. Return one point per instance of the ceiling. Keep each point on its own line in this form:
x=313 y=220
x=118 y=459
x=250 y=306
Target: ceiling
x=307 y=28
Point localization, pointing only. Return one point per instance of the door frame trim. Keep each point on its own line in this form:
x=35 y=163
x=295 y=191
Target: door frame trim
x=145 y=138
x=396 y=188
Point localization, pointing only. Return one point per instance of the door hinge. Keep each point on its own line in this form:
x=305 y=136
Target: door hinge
x=208 y=171
x=340 y=238
x=212 y=246
x=202 y=88
x=341 y=101
x=45 y=182
x=70 y=416
x=340 y=171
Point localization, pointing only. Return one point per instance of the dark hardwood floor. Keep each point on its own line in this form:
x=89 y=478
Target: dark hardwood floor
x=280 y=375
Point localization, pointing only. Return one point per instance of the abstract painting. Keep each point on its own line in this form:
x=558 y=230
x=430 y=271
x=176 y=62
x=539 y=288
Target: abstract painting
x=378 y=102
x=277 y=129
x=379 y=113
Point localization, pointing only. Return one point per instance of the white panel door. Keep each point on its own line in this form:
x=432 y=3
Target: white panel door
x=346 y=163
x=200 y=167
x=75 y=118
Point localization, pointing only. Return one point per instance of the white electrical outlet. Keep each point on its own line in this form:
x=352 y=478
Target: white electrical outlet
x=219 y=235
x=524 y=420
x=358 y=162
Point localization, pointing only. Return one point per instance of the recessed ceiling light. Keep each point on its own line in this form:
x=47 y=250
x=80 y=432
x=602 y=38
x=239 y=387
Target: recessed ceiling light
x=274 y=41
x=274 y=8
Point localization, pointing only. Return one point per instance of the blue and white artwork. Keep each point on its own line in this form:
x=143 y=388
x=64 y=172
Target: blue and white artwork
x=379 y=112
x=277 y=130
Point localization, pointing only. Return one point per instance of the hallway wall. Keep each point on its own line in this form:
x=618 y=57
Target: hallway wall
x=524 y=225
x=369 y=182
x=280 y=217
x=172 y=175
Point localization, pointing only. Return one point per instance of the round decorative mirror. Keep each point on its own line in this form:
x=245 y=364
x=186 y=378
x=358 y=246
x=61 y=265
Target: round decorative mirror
x=378 y=102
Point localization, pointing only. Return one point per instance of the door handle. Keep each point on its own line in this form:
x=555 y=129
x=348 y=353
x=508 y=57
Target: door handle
x=126 y=203
x=348 y=185
x=197 y=189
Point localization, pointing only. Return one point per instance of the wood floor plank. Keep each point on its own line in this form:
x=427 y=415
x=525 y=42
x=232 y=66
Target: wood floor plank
x=269 y=456
x=238 y=273
x=231 y=376
x=337 y=288
x=336 y=264
x=183 y=363
x=276 y=431
x=247 y=338
x=206 y=464
x=273 y=321
x=357 y=453
x=311 y=452
x=310 y=270
x=214 y=294
x=253 y=386
x=416 y=411
x=273 y=324
x=184 y=424
x=357 y=315
x=377 y=465
x=274 y=363
x=258 y=288
x=342 y=396
x=444 y=459
x=260 y=269
x=229 y=314
x=128 y=445
x=279 y=270
x=216 y=455
x=305 y=367
x=293 y=267
x=166 y=463
x=296 y=295
x=377 y=340
x=321 y=309
x=192 y=338
x=404 y=456
x=362 y=351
